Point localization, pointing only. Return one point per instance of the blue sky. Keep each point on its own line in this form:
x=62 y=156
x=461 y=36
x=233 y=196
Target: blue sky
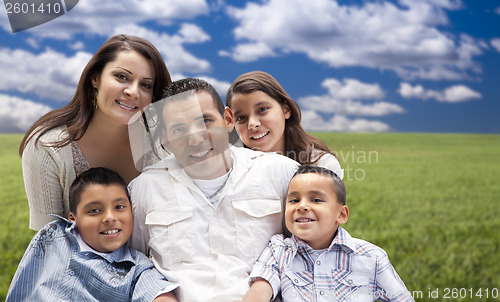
x=353 y=66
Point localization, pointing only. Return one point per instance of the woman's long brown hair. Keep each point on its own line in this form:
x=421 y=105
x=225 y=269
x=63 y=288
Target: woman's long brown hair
x=79 y=112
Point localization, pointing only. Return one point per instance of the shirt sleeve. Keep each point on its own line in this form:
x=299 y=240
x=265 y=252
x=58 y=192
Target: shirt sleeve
x=389 y=284
x=42 y=183
x=268 y=264
x=140 y=238
x=33 y=267
x=149 y=283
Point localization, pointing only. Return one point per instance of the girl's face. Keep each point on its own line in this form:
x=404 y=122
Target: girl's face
x=260 y=121
x=124 y=87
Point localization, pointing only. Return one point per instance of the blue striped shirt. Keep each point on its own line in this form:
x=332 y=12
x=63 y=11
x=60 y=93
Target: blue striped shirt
x=349 y=270
x=54 y=268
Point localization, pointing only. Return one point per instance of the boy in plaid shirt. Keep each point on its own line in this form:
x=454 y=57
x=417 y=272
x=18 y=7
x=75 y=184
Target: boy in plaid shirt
x=321 y=261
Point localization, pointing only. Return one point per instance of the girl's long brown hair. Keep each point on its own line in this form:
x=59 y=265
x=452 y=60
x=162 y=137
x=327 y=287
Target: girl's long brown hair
x=79 y=112
x=297 y=140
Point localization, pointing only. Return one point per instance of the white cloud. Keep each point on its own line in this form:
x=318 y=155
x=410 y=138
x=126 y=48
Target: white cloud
x=4 y=19
x=177 y=58
x=448 y=4
x=353 y=89
x=311 y=121
x=327 y=104
x=108 y=17
x=405 y=38
x=342 y=99
x=495 y=42
x=33 y=43
x=101 y=17
x=220 y=86
x=78 y=45
x=54 y=75
x=48 y=74
x=497 y=10
x=407 y=91
x=249 y=52
x=17 y=115
x=458 y=93
x=453 y=94
x=191 y=33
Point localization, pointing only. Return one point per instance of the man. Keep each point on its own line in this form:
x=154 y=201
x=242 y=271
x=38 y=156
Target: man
x=205 y=213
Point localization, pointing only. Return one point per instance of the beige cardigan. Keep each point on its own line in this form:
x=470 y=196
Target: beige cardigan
x=48 y=173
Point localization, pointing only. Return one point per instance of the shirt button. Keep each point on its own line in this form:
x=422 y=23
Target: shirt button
x=321 y=292
x=71 y=273
x=295 y=281
x=318 y=262
x=350 y=281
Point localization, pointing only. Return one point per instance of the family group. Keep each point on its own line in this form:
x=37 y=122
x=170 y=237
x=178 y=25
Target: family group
x=146 y=189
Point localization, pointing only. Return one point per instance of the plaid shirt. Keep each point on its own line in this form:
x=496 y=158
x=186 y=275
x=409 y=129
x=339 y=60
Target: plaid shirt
x=349 y=270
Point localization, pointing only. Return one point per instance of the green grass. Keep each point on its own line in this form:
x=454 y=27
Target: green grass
x=429 y=200
x=14 y=232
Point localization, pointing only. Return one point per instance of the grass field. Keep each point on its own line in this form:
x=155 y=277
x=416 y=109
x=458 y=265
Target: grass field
x=430 y=200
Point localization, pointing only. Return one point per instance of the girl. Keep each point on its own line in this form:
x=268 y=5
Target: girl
x=126 y=74
x=268 y=120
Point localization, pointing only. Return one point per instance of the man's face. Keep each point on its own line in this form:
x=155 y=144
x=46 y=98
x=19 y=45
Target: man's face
x=197 y=134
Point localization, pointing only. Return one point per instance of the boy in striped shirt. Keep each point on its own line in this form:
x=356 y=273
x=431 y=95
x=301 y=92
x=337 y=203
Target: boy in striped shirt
x=85 y=257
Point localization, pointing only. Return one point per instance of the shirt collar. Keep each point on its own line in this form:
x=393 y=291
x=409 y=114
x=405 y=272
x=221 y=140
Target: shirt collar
x=342 y=239
x=242 y=156
x=120 y=255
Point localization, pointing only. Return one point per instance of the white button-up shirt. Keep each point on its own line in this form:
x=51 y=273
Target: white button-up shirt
x=210 y=250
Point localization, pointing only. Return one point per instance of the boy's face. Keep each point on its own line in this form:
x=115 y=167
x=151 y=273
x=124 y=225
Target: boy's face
x=104 y=217
x=312 y=212
x=197 y=134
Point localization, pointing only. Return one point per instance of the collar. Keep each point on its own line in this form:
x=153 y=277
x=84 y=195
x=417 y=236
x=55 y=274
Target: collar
x=120 y=255
x=242 y=159
x=342 y=239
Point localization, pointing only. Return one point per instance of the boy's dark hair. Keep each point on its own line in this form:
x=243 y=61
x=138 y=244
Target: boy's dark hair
x=93 y=176
x=198 y=85
x=338 y=187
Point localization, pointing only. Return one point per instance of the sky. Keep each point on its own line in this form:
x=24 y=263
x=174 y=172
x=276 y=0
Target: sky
x=352 y=65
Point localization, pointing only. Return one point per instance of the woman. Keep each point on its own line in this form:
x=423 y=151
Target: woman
x=126 y=74
x=268 y=120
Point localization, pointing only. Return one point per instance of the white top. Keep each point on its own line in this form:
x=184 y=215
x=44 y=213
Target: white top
x=210 y=250
x=48 y=173
x=212 y=187
x=328 y=161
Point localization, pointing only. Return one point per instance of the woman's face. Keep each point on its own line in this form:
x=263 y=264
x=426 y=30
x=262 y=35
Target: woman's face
x=260 y=121
x=124 y=87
